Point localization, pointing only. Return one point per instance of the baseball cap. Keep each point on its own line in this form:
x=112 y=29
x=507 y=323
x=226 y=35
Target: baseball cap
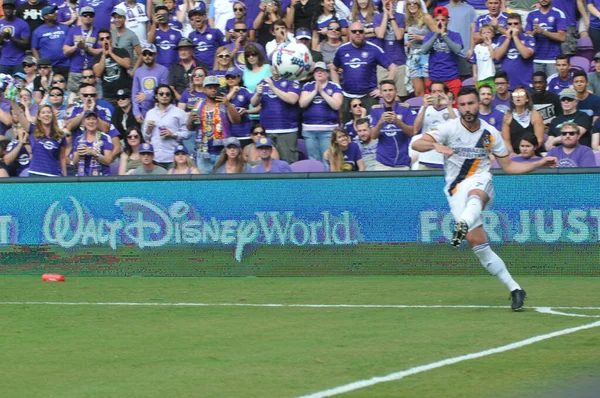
x=44 y=62
x=303 y=34
x=8 y=3
x=233 y=71
x=30 y=59
x=597 y=56
x=149 y=47
x=231 y=141
x=184 y=42
x=321 y=65
x=89 y=114
x=264 y=142
x=440 y=11
x=48 y=10
x=181 y=148
x=120 y=12
x=87 y=10
x=21 y=75
x=201 y=9
x=211 y=81
x=568 y=93
x=146 y=148
x=123 y=93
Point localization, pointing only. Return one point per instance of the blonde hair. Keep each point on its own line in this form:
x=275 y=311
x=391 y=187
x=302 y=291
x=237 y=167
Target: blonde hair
x=356 y=11
x=239 y=160
x=218 y=66
x=418 y=18
x=336 y=155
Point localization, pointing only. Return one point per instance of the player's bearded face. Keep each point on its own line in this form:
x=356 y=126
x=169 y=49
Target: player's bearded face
x=470 y=116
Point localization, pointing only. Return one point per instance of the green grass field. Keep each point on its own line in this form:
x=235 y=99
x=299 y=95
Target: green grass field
x=163 y=350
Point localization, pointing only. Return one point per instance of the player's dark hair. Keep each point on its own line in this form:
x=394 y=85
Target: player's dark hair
x=467 y=91
x=580 y=73
x=540 y=73
x=446 y=89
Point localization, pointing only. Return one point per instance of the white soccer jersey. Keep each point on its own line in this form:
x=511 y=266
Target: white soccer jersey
x=472 y=150
x=433 y=117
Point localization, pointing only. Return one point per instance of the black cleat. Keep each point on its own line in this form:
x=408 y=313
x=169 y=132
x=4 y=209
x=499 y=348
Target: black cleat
x=517 y=296
x=460 y=232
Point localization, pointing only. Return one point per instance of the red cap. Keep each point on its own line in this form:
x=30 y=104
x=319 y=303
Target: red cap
x=440 y=11
x=53 y=278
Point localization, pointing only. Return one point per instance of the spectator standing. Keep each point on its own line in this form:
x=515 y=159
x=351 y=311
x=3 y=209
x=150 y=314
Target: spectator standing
x=329 y=46
x=15 y=39
x=205 y=39
x=321 y=101
x=89 y=102
x=30 y=68
x=268 y=164
x=570 y=8
x=103 y=10
x=81 y=45
x=180 y=73
x=190 y=97
x=501 y=99
x=461 y=19
x=570 y=114
x=165 y=126
x=482 y=58
x=418 y=25
x=593 y=7
x=594 y=77
x=495 y=17
x=326 y=14
x=164 y=37
x=548 y=26
x=42 y=81
x=521 y=120
x=92 y=149
x=48 y=39
x=222 y=63
x=263 y=23
x=239 y=16
x=546 y=103
x=145 y=81
x=172 y=10
x=31 y=12
x=486 y=113
x=123 y=117
x=136 y=18
x=300 y=13
x=392 y=124
x=390 y=33
x=56 y=100
x=126 y=39
x=111 y=67
x=443 y=47
x=571 y=153
x=257 y=67
x=515 y=51
x=366 y=144
x=68 y=13
x=239 y=36
x=148 y=167
x=240 y=97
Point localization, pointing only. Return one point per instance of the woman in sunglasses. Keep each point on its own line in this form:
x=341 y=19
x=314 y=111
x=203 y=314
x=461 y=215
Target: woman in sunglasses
x=418 y=24
x=330 y=45
x=358 y=111
x=223 y=61
x=250 y=153
x=522 y=119
x=130 y=157
x=239 y=16
x=322 y=19
x=190 y=97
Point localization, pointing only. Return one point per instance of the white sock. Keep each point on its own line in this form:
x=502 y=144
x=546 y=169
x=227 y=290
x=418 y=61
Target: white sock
x=472 y=211
x=495 y=265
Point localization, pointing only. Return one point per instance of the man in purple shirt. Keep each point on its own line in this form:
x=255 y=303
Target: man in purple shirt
x=47 y=41
x=239 y=37
x=359 y=60
x=501 y=101
x=515 y=50
x=392 y=26
x=145 y=80
x=264 y=147
x=164 y=37
x=495 y=18
x=548 y=26
x=205 y=39
x=486 y=112
x=571 y=153
x=15 y=39
x=563 y=78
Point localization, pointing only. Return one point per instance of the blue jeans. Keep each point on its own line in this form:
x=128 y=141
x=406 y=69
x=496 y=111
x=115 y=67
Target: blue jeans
x=317 y=143
x=11 y=69
x=206 y=164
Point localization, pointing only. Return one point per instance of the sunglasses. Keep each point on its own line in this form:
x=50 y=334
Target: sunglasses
x=104 y=38
x=87 y=15
x=513 y=23
x=357 y=31
x=87 y=76
x=567 y=99
x=28 y=65
x=356 y=105
x=571 y=133
x=57 y=95
x=240 y=30
x=238 y=9
x=58 y=81
x=338 y=29
x=133 y=136
x=252 y=54
x=122 y=97
x=228 y=77
x=500 y=83
x=164 y=93
x=198 y=75
x=223 y=55
x=85 y=95
x=147 y=53
x=519 y=94
x=258 y=133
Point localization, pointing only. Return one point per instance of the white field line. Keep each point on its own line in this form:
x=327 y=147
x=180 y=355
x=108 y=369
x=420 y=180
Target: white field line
x=449 y=361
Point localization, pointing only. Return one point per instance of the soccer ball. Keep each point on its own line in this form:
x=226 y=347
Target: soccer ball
x=292 y=60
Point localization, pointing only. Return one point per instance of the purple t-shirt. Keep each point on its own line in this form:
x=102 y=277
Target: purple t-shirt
x=477 y=4
x=494 y=118
x=81 y=59
x=487 y=19
x=556 y=84
x=569 y=7
x=173 y=21
x=594 y=20
x=360 y=67
x=238 y=58
x=49 y=41
x=165 y=42
x=553 y=21
x=518 y=69
x=392 y=47
x=352 y=155
x=22 y=161
x=582 y=156
x=501 y=105
x=146 y=80
x=443 y=63
x=277 y=166
x=242 y=101
x=104 y=143
x=11 y=54
x=191 y=98
x=64 y=13
x=103 y=8
x=45 y=156
x=206 y=45
x=276 y=115
x=319 y=113
x=392 y=149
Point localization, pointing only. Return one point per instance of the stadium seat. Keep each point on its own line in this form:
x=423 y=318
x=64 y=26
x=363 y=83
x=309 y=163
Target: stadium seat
x=415 y=103
x=308 y=166
x=597 y=156
x=301 y=149
x=468 y=82
x=114 y=168
x=585 y=48
x=580 y=63
x=24 y=173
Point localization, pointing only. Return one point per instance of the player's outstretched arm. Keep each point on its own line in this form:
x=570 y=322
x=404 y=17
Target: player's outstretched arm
x=511 y=167
x=427 y=143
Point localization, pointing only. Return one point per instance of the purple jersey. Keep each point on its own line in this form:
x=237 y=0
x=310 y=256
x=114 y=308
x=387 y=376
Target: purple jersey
x=594 y=20
x=569 y=8
x=206 y=45
x=11 y=53
x=103 y=8
x=319 y=115
x=64 y=13
x=477 y=4
x=145 y=81
x=392 y=149
x=81 y=59
x=102 y=112
x=518 y=69
x=45 y=155
x=238 y=58
x=553 y=21
x=104 y=143
x=443 y=63
x=173 y=21
x=352 y=155
x=165 y=42
x=494 y=118
x=241 y=100
x=191 y=98
x=487 y=19
x=391 y=46
x=360 y=67
x=22 y=161
x=501 y=105
x=277 y=166
x=276 y=115
x=582 y=156
x=231 y=23
x=556 y=84
x=49 y=41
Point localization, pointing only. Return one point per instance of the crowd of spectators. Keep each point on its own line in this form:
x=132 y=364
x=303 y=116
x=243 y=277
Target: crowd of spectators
x=109 y=87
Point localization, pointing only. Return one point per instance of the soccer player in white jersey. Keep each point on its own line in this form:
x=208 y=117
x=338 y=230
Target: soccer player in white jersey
x=467 y=144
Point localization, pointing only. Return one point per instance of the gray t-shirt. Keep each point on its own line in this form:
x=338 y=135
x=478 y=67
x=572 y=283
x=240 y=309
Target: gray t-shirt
x=521 y=4
x=140 y=171
x=461 y=18
x=328 y=51
x=127 y=40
